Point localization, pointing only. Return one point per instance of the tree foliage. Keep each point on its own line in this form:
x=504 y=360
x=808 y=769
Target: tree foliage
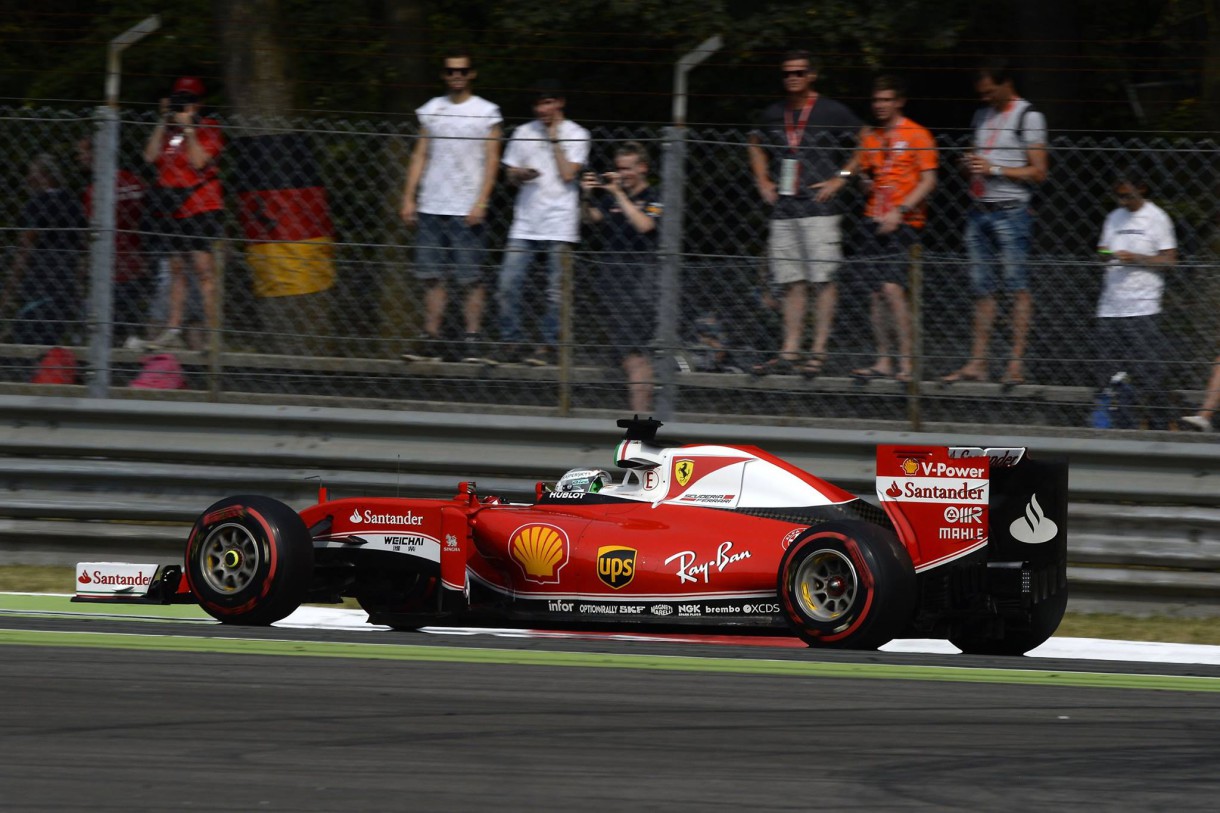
x=1090 y=63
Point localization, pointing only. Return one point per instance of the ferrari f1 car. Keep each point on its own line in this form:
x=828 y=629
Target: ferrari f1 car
x=963 y=543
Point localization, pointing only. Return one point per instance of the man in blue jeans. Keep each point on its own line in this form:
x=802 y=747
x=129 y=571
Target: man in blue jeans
x=449 y=182
x=543 y=160
x=1008 y=158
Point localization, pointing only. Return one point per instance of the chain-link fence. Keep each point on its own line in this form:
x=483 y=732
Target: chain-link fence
x=318 y=300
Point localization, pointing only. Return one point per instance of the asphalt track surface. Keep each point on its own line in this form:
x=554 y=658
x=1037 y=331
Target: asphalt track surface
x=103 y=714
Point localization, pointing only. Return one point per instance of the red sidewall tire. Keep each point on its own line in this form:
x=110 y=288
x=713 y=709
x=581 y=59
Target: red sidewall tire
x=272 y=560
x=878 y=586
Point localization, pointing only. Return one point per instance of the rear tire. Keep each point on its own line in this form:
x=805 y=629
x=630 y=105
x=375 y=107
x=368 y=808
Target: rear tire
x=249 y=561
x=847 y=585
x=1044 y=620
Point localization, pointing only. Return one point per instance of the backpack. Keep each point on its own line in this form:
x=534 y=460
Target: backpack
x=57 y=366
x=1115 y=406
x=160 y=372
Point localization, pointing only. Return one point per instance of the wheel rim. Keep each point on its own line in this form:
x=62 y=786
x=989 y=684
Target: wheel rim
x=229 y=558
x=826 y=585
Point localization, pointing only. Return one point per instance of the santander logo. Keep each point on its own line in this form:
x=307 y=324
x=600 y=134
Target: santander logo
x=384 y=519
x=83 y=578
x=1035 y=527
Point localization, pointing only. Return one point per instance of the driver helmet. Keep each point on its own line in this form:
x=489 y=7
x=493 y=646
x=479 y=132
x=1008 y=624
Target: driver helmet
x=588 y=481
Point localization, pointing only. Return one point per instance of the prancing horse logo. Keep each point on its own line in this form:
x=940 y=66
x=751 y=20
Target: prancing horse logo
x=683 y=469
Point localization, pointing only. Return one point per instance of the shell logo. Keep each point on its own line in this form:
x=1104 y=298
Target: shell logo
x=910 y=467
x=541 y=551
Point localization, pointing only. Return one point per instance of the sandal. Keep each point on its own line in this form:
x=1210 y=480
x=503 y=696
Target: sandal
x=962 y=375
x=812 y=368
x=776 y=366
x=870 y=373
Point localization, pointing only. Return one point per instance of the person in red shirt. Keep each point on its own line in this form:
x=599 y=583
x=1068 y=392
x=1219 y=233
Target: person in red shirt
x=184 y=147
x=898 y=158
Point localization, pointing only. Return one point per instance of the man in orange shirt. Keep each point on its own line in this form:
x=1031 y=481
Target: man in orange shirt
x=898 y=158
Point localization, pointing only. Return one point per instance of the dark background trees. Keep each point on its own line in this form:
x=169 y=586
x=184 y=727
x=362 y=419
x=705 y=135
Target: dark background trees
x=1090 y=64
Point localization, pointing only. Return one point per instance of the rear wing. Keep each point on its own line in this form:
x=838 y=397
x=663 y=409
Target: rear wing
x=948 y=502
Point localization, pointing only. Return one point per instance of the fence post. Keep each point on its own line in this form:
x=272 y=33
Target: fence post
x=101 y=250
x=673 y=183
x=914 y=404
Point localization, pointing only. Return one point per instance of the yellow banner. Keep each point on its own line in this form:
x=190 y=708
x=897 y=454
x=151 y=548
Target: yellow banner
x=292 y=269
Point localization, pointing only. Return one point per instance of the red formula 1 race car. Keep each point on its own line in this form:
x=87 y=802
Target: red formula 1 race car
x=964 y=543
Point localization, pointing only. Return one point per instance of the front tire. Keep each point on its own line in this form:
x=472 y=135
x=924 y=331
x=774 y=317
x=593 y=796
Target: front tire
x=249 y=561
x=847 y=585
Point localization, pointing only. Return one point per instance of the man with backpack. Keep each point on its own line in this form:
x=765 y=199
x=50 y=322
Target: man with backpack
x=1008 y=158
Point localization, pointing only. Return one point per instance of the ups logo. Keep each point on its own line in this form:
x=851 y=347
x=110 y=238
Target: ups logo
x=616 y=565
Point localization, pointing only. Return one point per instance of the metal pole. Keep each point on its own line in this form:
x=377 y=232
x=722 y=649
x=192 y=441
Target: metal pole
x=101 y=222
x=914 y=403
x=673 y=183
x=101 y=253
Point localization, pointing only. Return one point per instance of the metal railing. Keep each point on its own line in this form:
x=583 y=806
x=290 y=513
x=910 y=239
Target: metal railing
x=84 y=478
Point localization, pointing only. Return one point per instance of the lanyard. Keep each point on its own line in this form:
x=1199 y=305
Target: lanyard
x=885 y=149
x=794 y=130
x=997 y=129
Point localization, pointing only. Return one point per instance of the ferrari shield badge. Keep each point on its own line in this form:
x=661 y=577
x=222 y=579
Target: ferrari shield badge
x=683 y=469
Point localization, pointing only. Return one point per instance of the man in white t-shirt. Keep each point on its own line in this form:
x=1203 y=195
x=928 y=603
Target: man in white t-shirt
x=1138 y=243
x=543 y=160
x=449 y=182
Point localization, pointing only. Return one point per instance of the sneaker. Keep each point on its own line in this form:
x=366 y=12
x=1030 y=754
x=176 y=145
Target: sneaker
x=425 y=347
x=1196 y=422
x=170 y=339
x=474 y=350
x=542 y=356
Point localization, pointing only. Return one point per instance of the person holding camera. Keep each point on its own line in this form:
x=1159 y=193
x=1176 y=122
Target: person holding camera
x=187 y=201
x=543 y=160
x=626 y=211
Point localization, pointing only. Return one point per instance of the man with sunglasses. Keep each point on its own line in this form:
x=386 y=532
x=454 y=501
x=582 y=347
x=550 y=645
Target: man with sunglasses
x=449 y=183
x=801 y=157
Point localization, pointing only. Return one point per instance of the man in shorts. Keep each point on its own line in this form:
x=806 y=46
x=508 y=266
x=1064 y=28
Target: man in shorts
x=797 y=156
x=898 y=157
x=449 y=183
x=184 y=147
x=1008 y=160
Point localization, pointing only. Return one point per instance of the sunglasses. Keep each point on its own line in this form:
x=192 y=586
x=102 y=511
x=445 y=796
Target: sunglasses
x=786 y=74
x=457 y=71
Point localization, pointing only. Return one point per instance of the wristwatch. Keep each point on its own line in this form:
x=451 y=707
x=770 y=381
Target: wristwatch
x=845 y=173
x=996 y=170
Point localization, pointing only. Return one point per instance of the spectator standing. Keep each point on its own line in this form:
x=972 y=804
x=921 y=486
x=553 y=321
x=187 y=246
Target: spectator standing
x=898 y=159
x=797 y=157
x=449 y=184
x=544 y=159
x=1202 y=420
x=1008 y=158
x=185 y=147
x=44 y=277
x=131 y=279
x=1138 y=242
x=627 y=211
